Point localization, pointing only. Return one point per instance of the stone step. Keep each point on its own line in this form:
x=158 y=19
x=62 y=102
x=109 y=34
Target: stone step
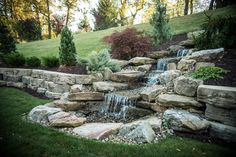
x=150 y=93
x=108 y=86
x=85 y=96
x=127 y=76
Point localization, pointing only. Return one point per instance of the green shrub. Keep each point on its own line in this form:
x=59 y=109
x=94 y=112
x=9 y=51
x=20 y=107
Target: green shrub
x=219 y=32
x=67 y=51
x=98 y=61
x=51 y=61
x=14 y=59
x=206 y=73
x=33 y=61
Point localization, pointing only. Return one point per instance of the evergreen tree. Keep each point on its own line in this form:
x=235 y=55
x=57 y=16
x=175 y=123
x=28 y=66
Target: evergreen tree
x=160 y=23
x=105 y=15
x=7 y=42
x=67 y=51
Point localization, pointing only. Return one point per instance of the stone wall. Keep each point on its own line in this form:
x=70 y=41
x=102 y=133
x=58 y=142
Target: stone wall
x=52 y=84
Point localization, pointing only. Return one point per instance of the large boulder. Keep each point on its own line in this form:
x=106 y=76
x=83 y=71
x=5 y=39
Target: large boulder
x=105 y=86
x=186 y=64
x=97 y=130
x=65 y=119
x=184 y=121
x=40 y=113
x=169 y=76
x=222 y=131
x=207 y=55
x=193 y=35
x=174 y=100
x=127 y=76
x=187 y=43
x=141 y=61
x=150 y=93
x=159 y=54
x=141 y=133
x=186 y=85
x=85 y=96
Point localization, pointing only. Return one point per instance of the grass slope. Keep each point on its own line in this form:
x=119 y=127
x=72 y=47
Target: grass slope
x=87 y=42
x=21 y=138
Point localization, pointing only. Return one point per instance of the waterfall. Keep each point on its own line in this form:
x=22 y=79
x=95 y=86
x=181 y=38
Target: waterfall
x=117 y=105
x=161 y=64
x=182 y=52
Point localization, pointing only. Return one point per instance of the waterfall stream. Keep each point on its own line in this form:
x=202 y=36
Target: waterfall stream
x=182 y=52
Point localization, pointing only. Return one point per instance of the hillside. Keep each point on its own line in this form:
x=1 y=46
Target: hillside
x=87 y=42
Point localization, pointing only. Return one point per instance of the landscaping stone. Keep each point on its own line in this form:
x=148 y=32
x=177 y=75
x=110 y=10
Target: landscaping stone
x=76 y=88
x=186 y=86
x=22 y=72
x=127 y=76
x=26 y=79
x=121 y=63
x=144 y=68
x=174 y=48
x=141 y=61
x=53 y=95
x=85 y=96
x=37 y=73
x=41 y=90
x=65 y=119
x=144 y=104
x=186 y=64
x=12 y=78
x=16 y=84
x=57 y=88
x=198 y=65
x=221 y=131
x=135 y=112
x=107 y=73
x=169 y=76
x=65 y=79
x=187 y=43
x=86 y=79
x=105 y=86
x=150 y=93
x=97 y=130
x=184 y=121
x=207 y=55
x=171 y=66
x=37 y=82
x=174 y=100
x=40 y=113
x=51 y=76
x=192 y=35
x=158 y=54
x=3 y=83
x=69 y=105
x=141 y=133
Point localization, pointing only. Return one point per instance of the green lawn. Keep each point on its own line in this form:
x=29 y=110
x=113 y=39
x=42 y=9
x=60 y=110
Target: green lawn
x=21 y=138
x=87 y=42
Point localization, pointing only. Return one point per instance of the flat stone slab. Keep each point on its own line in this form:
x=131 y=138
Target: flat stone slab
x=105 y=86
x=97 y=130
x=150 y=93
x=141 y=61
x=174 y=100
x=69 y=105
x=219 y=96
x=85 y=96
x=127 y=76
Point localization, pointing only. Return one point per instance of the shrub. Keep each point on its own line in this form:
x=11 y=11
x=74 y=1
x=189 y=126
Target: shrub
x=98 y=61
x=7 y=42
x=160 y=22
x=14 y=59
x=206 y=73
x=51 y=61
x=67 y=51
x=33 y=61
x=128 y=44
x=219 y=32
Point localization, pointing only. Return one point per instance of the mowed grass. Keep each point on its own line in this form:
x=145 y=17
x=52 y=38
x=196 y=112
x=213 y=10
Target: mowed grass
x=92 y=41
x=24 y=139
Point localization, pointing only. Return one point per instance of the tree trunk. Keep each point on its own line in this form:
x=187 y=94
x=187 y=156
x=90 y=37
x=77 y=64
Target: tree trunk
x=191 y=6
x=186 y=7
x=49 y=21
x=211 y=4
x=67 y=15
x=219 y=4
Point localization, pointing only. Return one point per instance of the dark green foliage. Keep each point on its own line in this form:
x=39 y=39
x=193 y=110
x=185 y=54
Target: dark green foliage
x=50 y=61
x=33 y=61
x=128 y=44
x=206 y=73
x=28 y=29
x=14 y=59
x=99 y=61
x=105 y=15
x=67 y=51
x=219 y=32
x=160 y=22
x=7 y=42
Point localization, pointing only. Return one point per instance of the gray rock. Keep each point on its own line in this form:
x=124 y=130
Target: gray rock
x=174 y=48
x=141 y=61
x=65 y=79
x=187 y=43
x=97 y=130
x=53 y=95
x=186 y=85
x=76 y=88
x=56 y=88
x=198 y=65
x=192 y=35
x=127 y=76
x=136 y=112
x=169 y=76
x=41 y=90
x=3 y=83
x=85 y=96
x=150 y=93
x=173 y=100
x=107 y=73
x=86 y=79
x=105 y=86
x=26 y=79
x=158 y=54
x=186 y=64
x=144 y=68
x=12 y=78
x=141 y=133
x=16 y=84
x=22 y=72
x=184 y=121
x=37 y=82
x=37 y=73
x=69 y=105
x=40 y=113
x=121 y=63
x=171 y=66
x=222 y=131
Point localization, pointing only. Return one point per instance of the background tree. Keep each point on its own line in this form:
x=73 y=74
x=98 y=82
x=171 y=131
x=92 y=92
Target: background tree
x=67 y=51
x=58 y=23
x=84 y=25
x=160 y=23
x=69 y=4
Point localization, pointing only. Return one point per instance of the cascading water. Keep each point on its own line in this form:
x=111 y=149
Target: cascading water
x=182 y=52
x=117 y=105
